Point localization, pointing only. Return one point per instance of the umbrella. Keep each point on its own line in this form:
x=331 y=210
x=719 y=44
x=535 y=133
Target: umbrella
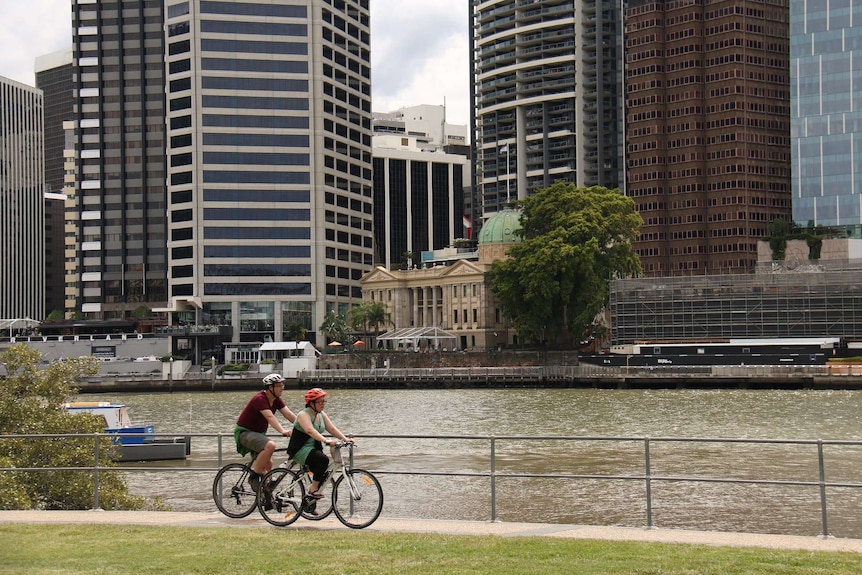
x=358 y=343
x=335 y=343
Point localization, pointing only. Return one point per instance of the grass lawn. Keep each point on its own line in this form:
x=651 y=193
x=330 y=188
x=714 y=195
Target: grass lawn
x=114 y=549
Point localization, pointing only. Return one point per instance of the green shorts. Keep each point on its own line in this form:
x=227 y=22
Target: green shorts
x=253 y=440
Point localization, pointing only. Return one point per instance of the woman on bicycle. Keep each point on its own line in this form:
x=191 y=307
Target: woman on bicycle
x=306 y=443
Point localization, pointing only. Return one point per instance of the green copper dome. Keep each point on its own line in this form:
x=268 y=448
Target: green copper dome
x=501 y=227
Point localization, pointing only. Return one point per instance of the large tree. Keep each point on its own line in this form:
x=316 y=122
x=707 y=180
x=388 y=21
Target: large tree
x=32 y=398
x=557 y=280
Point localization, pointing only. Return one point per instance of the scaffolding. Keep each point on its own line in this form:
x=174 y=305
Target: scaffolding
x=713 y=308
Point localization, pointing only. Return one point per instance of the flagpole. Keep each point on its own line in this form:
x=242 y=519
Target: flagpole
x=508 y=196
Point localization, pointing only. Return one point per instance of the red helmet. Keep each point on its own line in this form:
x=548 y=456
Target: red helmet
x=314 y=394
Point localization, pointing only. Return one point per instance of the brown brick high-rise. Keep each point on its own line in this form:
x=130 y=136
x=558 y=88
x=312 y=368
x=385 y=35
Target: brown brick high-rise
x=708 y=130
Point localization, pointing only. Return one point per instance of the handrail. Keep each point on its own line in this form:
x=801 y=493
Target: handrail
x=225 y=441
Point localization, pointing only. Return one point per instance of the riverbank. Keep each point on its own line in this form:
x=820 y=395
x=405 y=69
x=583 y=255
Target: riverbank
x=561 y=377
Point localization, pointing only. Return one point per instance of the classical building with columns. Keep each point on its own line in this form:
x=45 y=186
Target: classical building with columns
x=455 y=298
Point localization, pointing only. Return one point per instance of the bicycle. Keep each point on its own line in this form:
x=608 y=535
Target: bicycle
x=356 y=496
x=232 y=493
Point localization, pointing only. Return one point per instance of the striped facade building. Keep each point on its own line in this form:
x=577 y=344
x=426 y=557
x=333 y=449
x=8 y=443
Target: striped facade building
x=22 y=210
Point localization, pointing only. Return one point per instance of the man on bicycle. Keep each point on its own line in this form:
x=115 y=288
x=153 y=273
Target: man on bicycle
x=256 y=417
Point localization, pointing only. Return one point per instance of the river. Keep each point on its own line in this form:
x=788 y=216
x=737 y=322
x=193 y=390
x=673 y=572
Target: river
x=763 y=414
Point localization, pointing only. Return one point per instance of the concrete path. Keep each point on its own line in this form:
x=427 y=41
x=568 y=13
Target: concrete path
x=386 y=524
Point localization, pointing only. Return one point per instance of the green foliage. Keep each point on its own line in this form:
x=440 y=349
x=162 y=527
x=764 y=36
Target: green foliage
x=32 y=400
x=268 y=362
x=295 y=331
x=142 y=311
x=368 y=314
x=334 y=327
x=55 y=315
x=557 y=280
x=778 y=230
x=235 y=367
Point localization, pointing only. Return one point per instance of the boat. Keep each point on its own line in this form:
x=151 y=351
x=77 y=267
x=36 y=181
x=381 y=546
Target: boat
x=137 y=442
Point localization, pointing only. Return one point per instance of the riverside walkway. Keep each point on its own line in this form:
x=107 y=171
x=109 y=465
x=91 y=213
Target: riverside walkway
x=500 y=529
x=838 y=377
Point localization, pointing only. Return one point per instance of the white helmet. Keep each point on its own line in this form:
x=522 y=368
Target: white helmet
x=272 y=379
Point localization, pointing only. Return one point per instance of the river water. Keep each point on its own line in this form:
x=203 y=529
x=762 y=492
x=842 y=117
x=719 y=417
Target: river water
x=605 y=414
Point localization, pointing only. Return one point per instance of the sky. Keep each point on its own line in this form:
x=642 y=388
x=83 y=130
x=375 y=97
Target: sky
x=419 y=49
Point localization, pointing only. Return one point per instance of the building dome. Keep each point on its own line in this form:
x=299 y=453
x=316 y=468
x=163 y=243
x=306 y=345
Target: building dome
x=501 y=227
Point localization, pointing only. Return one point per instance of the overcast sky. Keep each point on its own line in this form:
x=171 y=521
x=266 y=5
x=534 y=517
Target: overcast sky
x=419 y=49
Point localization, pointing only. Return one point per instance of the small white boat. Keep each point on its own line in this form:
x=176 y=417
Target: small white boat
x=137 y=441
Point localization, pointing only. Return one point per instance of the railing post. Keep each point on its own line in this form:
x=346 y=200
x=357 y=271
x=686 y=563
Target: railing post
x=96 y=472
x=648 y=481
x=218 y=444
x=493 y=479
x=822 y=466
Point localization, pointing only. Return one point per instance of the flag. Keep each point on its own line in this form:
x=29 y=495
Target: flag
x=504 y=149
x=469 y=225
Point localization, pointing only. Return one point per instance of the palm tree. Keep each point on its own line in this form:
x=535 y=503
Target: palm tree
x=368 y=313
x=334 y=327
x=295 y=331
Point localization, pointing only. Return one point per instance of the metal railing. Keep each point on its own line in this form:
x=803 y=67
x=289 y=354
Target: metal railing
x=835 y=372
x=646 y=476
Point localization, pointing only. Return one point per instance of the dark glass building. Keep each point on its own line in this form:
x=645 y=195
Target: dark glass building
x=119 y=113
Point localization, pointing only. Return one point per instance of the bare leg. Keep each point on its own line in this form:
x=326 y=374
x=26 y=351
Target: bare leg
x=263 y=462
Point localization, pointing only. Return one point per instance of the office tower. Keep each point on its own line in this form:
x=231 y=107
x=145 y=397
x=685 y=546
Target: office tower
x=269 y=149
x=419 y=179
x=708 y=138
x=54 y=78
x=22 y=209
x=120 y=146
x=547 y=96
x=826 y=114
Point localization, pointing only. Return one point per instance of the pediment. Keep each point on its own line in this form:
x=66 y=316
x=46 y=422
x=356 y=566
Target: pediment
x=462 y=268
x=378 y=274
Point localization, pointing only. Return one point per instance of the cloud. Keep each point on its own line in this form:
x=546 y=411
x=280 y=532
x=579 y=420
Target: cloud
x=419 y=49
x=30 y=29
x=420 y=55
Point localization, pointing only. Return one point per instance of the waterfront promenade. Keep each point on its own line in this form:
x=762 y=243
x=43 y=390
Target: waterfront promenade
x=500 y=529
x=833 y=377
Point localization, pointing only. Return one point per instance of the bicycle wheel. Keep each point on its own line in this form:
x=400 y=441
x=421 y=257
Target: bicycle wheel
x=362 y=507
x=321 y=508
x=280 y=497
x=231 y=492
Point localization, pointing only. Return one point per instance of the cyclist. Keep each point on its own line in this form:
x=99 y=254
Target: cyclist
x=306 y=443
x=252 y=423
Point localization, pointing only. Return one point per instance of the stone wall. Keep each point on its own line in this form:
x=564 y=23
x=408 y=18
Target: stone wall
x=371 y=360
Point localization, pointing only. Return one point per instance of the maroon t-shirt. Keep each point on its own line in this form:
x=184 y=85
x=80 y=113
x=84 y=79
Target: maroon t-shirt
x=251 y=417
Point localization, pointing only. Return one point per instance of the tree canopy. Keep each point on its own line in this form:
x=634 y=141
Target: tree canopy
x=557 y=280
x=334 y=327
x=32 y=399
x=368 y=314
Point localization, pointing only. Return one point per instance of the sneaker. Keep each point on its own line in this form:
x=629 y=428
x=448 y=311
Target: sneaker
x=267 y=501
x=314 y=495
x=309 y=506
x=254 y=481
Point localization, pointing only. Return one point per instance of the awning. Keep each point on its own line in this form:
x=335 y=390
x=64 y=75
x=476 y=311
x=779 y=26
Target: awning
x=414 y=335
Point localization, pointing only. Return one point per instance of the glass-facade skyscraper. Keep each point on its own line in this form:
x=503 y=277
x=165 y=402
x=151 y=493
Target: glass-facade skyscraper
x=119 y=114
x=826 y=113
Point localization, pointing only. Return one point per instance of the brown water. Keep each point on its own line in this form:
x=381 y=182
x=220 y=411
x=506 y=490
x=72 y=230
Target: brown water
x=799 y=415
